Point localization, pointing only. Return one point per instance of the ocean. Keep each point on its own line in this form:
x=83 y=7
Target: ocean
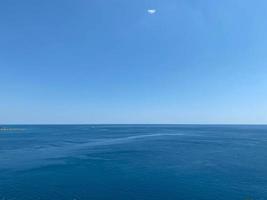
x=133 y=162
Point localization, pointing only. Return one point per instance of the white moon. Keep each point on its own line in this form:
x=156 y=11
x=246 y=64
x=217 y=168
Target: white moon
x=151 y=11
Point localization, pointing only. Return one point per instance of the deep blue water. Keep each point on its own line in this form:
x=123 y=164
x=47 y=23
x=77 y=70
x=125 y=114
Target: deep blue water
x=133 y=162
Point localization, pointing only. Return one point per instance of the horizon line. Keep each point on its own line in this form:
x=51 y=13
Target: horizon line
x=181 y=124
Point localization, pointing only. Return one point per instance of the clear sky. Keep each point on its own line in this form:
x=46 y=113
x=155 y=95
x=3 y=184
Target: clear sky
x=133 y=61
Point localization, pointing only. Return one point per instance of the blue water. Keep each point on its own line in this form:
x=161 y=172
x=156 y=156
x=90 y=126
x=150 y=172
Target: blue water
x=133 y=162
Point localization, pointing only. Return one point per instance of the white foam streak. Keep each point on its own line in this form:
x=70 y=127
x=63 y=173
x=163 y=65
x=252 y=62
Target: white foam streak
x=126 y=139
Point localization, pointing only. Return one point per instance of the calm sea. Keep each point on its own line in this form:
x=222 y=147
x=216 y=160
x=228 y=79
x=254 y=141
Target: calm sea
x=133 y=162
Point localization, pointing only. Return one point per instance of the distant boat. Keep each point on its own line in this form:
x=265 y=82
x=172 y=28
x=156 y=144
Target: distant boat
x=3 y=128
x=9 y=129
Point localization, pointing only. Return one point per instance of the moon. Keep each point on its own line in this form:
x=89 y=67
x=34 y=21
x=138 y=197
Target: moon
x=151 y=11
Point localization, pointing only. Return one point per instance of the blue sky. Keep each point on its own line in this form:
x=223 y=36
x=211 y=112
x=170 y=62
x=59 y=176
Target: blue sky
x=111 y=61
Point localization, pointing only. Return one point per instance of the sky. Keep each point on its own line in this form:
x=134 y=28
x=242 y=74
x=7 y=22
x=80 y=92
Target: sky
x=125 y=61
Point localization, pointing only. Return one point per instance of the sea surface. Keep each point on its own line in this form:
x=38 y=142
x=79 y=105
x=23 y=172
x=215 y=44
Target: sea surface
x=133 y=162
